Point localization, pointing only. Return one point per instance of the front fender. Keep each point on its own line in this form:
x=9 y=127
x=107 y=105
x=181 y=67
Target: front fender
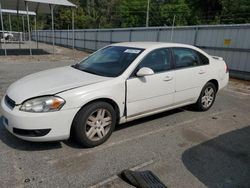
x=78 y=97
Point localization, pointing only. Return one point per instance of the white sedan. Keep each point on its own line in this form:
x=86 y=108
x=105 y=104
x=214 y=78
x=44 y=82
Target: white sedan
x=116 y=84
x=8 y=36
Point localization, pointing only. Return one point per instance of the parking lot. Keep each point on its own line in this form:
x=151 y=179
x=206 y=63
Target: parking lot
x=184 y=148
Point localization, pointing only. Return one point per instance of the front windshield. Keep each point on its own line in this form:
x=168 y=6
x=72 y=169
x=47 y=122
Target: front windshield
x=111 y=61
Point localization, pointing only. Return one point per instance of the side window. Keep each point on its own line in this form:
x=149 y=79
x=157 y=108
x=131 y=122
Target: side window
x=203 y=59
x=185 y=57
x=158 y=60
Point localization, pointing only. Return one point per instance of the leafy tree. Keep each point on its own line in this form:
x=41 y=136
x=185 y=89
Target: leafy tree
x=175 y=8
x=132 y=13
x=205 y=11
x=235 y=12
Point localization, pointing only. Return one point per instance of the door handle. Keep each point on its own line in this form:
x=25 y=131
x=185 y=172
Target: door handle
x=202 y=72
x=168 y=78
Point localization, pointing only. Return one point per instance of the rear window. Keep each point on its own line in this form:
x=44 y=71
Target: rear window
x=186 y=57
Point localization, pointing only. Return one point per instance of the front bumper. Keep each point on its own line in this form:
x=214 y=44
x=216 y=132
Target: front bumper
x=58 y=122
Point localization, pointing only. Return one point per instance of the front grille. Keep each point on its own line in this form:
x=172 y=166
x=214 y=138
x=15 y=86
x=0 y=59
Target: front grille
x=9 y=102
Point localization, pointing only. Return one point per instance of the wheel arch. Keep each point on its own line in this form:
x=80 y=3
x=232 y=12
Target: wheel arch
x=215 y=82
x=104 y=99
x=74 y=132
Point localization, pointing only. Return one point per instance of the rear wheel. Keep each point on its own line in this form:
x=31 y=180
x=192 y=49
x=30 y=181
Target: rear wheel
x=206 y=98
x=94 y=124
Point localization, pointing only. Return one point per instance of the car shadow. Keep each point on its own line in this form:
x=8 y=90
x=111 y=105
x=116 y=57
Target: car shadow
x=223 y=161
x=148 y=118
x=119 y=127
x=19 y=144
x=24 y=52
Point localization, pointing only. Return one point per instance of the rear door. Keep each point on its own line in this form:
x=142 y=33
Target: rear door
x=191 y=68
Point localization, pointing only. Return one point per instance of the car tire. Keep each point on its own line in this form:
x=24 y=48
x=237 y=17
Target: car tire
x=94 y=124
x=206 y=98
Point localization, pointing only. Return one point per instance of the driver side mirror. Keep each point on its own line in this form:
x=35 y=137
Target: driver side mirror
x=144 y=71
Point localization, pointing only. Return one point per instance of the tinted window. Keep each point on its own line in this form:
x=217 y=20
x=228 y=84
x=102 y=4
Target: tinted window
x=111 y=61
x=158 y=60
x=185 y=57
x=203 y=59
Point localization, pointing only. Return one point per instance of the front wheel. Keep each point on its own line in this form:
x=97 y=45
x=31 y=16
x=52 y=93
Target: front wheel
x=206 y=98
x=94 y=124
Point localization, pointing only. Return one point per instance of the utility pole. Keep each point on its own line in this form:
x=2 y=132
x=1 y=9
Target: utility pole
x=147 y=18
x=88 y=7
x=10 y=23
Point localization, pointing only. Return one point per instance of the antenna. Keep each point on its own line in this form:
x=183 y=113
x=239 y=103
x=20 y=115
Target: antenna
x=147 y=18
x=172 y=32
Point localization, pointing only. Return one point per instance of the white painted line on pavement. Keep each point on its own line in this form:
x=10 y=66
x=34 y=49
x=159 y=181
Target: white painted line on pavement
x=237 y=92
x=102 y=147
x=114 y=177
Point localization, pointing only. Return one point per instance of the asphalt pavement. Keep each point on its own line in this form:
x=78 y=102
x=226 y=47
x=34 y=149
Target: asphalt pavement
x=184 y=148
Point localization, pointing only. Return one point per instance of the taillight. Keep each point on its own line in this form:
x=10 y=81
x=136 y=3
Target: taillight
x=226 y=68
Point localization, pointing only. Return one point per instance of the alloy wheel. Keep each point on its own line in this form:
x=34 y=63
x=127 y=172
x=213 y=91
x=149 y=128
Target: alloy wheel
x=98 y=124
x=208 y=97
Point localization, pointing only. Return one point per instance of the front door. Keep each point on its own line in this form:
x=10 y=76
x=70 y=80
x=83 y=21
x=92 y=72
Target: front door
x=149 y=93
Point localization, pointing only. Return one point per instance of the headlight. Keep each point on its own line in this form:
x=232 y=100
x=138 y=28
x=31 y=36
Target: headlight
x=43 y=104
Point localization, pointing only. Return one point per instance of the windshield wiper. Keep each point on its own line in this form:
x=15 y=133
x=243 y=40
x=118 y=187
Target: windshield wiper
x=88 y=71
x=76 y=66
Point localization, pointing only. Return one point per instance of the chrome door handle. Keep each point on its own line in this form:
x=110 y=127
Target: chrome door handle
x=168 y=78
x=202 y=72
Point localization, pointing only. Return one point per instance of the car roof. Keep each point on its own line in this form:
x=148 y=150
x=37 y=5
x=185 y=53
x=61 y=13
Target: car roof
x=147 y=45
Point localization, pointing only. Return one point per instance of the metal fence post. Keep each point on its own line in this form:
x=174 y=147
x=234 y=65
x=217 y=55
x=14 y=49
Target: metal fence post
x=158 y=35
x=60 y=37
x=195 y=35
x=130 y=35
x=28 y=20
x=2 y=25
x=67 y=37
x=96 y=34
x=84 y=40
x=111 y=36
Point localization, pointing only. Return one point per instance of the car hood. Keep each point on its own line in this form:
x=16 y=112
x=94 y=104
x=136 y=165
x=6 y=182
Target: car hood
x=50 y=82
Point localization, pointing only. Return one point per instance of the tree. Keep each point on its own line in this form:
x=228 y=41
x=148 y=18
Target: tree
x=205 y=11
x=177 y=8
x=132 y=13
x=235 y=12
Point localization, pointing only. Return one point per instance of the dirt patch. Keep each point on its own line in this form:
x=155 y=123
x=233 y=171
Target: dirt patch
x=193 y=136
x=239 y=85
x=43 y=53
